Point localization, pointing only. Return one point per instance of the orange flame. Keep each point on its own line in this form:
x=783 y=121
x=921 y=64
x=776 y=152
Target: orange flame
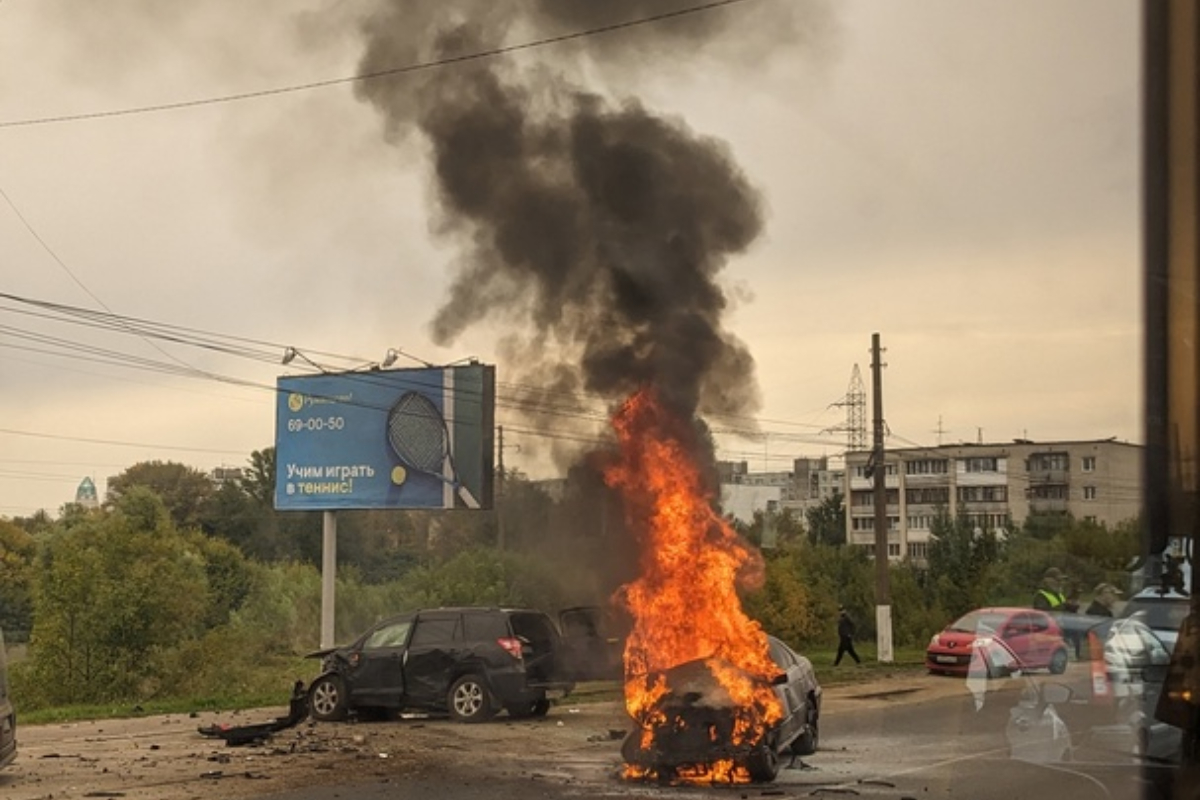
x=684 y=604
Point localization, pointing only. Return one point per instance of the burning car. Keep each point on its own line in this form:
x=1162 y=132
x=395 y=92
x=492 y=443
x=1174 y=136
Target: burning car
x=697 y=730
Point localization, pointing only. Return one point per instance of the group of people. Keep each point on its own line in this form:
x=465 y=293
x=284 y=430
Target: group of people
x=1050 y=596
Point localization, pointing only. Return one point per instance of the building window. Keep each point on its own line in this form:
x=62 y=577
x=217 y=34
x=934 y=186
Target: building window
x=987 y=522
x=1089 y=493
x=864 y=524
x=920 y=522
x=982 y=494
x=1049 y=462
x=918 y=550
x=1047 y=493
x=927 y=466
x=981 y=464
x=893 y=550
x=929 y=495
x=1089 y=463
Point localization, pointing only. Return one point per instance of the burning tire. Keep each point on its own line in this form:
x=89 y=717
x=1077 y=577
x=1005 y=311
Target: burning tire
x=470 y=700
x=327 y=698
x=763 y=764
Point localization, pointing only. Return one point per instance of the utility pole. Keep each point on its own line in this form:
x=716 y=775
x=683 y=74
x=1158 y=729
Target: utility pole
x=883 y=602
x=500 y=485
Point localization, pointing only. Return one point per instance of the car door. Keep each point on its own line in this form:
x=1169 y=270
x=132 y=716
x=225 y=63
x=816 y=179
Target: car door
x=432 y=654
x=1044 y=639
x=378 y=678
x=790 y=692
x=1017 y=634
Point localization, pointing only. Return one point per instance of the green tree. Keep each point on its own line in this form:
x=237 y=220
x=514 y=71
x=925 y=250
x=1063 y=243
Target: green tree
x=827 y=521
x=17 y=552
x=962 y=563
x=183 y=490
x=258 y=481
x=113 y=593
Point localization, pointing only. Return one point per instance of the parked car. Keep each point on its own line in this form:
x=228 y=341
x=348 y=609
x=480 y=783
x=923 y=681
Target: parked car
x=1033 y=636
x=8 y=717
x=1162 y=610
x=689 y=728
x=469 y=662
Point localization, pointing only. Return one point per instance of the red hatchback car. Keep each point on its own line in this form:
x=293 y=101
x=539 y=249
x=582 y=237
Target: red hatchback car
x=1032 y=636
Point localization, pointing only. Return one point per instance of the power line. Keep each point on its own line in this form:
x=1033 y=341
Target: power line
x=379 y=74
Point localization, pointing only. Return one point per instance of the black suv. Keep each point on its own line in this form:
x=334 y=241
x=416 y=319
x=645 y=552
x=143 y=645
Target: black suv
x=471 y=662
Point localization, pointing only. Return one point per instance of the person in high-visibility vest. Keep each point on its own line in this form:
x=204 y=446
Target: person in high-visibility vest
x=1050 y=597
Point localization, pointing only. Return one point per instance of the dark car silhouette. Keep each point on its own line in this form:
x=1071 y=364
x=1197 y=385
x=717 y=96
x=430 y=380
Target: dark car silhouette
x=468 y=662
x=8 y=717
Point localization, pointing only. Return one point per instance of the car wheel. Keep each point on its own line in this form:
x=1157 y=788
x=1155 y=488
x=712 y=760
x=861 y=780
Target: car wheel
x=806 y=743
x=469 y=700
x=763 y=764
x=536 y=708
x=1058 y=662
x=327 y=698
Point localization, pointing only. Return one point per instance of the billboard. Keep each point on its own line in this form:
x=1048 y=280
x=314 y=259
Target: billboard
x=397 y=438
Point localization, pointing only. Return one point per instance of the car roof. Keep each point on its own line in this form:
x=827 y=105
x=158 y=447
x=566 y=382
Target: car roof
x=1003 y=610
x=1155 y=593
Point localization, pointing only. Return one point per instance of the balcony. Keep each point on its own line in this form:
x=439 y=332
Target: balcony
x=1048 y=505
x=1049 y=477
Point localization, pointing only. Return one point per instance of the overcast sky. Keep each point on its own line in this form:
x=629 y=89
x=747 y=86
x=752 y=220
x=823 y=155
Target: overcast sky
x=960 y=177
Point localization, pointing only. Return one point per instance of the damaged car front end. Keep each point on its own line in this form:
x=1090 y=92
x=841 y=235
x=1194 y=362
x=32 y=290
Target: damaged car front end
x=695 y=730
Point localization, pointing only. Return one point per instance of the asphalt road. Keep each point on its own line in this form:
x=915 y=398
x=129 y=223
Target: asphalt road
x=895 y=743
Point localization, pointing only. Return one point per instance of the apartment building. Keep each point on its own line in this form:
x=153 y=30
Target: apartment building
x=994 y=485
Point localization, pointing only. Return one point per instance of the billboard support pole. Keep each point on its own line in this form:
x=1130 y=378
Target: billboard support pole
x=328 y=576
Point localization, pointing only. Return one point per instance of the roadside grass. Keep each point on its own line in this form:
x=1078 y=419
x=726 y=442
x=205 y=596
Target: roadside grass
x=907 y=661
x=265 y=685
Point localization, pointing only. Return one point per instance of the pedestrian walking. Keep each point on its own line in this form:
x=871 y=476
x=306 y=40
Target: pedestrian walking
x=845 y=631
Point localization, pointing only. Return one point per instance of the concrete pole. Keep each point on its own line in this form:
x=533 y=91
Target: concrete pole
x=328 y=577
x=883 y=602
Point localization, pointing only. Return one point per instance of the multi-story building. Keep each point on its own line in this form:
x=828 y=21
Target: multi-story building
x=744 y=492
x=993 y=485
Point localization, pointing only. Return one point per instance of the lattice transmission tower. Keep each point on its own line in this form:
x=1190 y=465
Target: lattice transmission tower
x=855 y=403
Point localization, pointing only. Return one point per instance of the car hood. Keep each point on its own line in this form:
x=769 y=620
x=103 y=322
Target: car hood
x=322 y=652
x=953 y=638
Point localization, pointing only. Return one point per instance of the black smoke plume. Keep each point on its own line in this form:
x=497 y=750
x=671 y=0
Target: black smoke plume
x=597 y=229
x=593 y=230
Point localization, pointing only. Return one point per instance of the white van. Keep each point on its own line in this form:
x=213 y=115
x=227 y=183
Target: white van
x=8 y=717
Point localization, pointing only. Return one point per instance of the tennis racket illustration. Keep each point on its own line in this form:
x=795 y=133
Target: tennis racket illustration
x=419 y=437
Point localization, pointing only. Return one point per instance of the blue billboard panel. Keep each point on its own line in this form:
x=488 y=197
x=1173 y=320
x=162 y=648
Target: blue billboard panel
x=401 y=438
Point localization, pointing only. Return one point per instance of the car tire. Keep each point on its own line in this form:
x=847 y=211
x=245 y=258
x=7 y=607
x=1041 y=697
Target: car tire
x=763 y=764
x=806 y=743
x=1058 y=662
x=469 y=700
x=536 y=708
x=327 y=699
